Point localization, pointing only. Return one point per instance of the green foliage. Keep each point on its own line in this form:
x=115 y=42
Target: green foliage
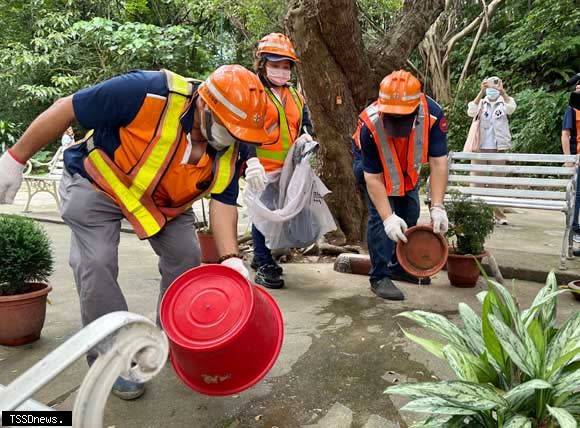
x=532 y=46
x=537 y=123
x=456 y=113
x=471 y=221
x=513 y=368
x=8 y=134
x=375 y=17
x=55 y=47
x=26 y=254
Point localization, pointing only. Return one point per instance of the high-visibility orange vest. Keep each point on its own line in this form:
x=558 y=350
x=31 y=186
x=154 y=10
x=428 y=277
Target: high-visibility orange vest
x=135 y=190
x=288 y=117
x=394 y=168
x=577 y=120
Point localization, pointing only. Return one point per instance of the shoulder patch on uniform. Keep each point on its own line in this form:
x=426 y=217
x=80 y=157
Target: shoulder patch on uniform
x=443 y=124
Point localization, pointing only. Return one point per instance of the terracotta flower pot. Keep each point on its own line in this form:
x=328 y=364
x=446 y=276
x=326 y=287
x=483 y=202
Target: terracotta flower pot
x=209 y=252
x=425 y=252
x=22 y=316
x=575 y=287
x=462 y=270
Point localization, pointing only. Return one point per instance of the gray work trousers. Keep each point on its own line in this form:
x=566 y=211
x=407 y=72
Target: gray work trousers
x=95 y=221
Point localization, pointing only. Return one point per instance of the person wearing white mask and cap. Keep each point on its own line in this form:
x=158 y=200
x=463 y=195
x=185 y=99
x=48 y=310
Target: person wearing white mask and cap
x=493 y=105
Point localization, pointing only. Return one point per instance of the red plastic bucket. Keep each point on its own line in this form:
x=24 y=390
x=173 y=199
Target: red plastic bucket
x=224 y=333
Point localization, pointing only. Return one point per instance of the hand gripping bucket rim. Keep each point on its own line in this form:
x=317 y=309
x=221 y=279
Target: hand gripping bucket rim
x=225 y=334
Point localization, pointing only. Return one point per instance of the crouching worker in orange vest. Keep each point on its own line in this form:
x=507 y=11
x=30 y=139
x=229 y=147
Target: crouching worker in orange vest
x=396 y=134
x=160 y=142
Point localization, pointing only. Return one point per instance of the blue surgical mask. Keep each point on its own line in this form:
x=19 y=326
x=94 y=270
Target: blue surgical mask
x=492 y=93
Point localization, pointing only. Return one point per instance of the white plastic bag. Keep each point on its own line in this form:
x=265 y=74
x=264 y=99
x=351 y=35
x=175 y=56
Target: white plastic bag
x=291 y=212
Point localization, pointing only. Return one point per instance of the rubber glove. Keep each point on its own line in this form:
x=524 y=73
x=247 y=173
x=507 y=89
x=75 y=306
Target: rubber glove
x=10 y=177
x=256 y=175
x=395 y=228
x=304 y=138
x=439 y=219
x=238 y=265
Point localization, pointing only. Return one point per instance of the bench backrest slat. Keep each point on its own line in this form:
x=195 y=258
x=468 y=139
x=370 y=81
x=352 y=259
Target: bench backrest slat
x=510 y=193
x=541 y=204
x=514 y=169
x=510 y=181
x=514 y=157
x=56 y=168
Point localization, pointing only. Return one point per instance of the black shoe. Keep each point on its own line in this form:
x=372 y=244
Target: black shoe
x=387 y=290
x=127 y=390
x=399 y=275
x=255 y=266
x=268 y=276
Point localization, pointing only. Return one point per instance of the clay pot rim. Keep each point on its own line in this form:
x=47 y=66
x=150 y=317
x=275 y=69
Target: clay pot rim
x=47 y=288
x=428 y=272
x=574 y=284
x=466 y=256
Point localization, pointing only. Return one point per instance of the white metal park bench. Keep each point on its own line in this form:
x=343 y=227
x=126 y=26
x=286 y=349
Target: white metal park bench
x=46 y=182
x=533 y=181
x=128 y=344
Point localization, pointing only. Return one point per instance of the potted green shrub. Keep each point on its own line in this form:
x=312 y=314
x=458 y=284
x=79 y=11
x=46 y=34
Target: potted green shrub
x=209 y=252
x=514 y=368
x=27 y=262
x=471 y=221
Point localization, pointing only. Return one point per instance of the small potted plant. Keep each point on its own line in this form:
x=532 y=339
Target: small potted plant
x=471 y=221
x=27 y=262
x=209 y=252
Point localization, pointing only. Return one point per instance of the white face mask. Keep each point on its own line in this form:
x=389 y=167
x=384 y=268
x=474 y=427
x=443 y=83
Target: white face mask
x=218 y=137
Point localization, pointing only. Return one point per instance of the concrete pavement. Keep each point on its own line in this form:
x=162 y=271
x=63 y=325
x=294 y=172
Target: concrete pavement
x=342 y=349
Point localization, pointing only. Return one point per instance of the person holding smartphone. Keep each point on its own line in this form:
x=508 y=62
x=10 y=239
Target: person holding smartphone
x=494 y=106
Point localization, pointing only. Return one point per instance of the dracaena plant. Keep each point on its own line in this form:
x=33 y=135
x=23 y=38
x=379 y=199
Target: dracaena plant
x=514 y=368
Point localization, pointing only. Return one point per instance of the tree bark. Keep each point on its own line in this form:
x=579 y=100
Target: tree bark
x=340 y=78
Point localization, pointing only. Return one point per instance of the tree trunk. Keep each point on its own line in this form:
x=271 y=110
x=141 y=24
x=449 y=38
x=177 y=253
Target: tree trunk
x=340 y=77
x=334 y=104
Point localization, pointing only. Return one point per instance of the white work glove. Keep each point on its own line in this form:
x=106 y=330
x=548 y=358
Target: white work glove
x=10 y=178
x=395 y=228
x=256 y=175
x=238 y=265
x=304 y=138
x=439 y=219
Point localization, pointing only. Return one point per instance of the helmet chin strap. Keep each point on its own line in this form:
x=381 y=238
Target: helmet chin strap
x=207 y=124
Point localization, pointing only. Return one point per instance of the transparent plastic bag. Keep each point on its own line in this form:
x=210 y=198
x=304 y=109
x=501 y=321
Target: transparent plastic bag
x=291 y=211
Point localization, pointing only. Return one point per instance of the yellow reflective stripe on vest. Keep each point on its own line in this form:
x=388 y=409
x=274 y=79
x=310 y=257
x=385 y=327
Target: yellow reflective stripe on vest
x=284 y=127
x=271 y=154
x=126 y=197
x=170 y=127
x=300 y=105
x=224 y=169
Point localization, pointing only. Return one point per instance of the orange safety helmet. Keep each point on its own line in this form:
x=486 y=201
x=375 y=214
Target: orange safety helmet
x=237 y=97
x=399 y=93
x=276 y=44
